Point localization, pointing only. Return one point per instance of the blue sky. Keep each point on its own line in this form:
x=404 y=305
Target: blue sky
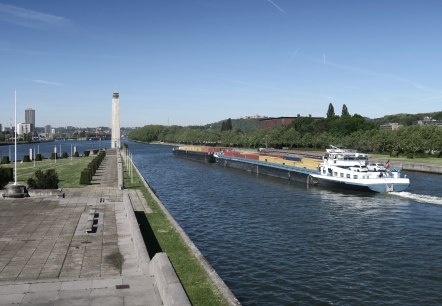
x=200 y=61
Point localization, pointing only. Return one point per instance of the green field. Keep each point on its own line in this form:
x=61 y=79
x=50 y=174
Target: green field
x=68 y=170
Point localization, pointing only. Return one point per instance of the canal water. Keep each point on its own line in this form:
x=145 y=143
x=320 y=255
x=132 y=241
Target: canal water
x=276 y=242
x=46 y=148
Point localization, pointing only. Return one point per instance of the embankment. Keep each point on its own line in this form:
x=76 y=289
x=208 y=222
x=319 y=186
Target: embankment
x=418 y=167
x=209 y=270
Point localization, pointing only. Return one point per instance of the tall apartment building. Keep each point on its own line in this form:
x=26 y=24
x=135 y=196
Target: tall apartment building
x=30 y=118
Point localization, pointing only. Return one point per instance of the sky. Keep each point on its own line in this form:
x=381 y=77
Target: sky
x=194 y=62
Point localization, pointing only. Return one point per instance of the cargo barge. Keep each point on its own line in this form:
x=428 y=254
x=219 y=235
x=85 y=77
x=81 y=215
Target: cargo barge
x=341 y=168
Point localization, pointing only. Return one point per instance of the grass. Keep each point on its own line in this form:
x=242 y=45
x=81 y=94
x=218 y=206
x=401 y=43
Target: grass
x=195 y=280
x=68 y=170
x=426 y=160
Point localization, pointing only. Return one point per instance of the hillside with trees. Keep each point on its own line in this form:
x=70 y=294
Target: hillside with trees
x=407 y=119
x=245 y=125
x=351 y=131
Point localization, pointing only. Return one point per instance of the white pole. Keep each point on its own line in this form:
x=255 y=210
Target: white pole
x=15 y=134
x=71 y=151
x=131 y=169
x=34 y=156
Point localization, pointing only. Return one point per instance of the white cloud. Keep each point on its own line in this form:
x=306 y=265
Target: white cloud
x=30 y=18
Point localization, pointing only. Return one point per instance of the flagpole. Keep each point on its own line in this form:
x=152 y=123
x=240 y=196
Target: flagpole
x=15 y=134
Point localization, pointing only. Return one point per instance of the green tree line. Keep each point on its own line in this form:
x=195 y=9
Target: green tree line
x=351 y=131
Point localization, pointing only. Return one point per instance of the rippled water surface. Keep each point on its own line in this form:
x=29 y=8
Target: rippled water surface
x=276 y=242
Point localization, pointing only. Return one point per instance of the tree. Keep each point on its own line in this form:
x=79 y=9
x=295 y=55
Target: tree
x=330 y=111
x=226 y=125
x=345 y=111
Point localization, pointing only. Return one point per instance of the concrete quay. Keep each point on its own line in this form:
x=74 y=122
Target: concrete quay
x=83 y=249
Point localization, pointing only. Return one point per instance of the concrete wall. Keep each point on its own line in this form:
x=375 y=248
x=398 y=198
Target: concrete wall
x=419 y=167
x=167 y=282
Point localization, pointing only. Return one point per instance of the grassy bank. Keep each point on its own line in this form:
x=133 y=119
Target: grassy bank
x=68 y=170
x=196 y=282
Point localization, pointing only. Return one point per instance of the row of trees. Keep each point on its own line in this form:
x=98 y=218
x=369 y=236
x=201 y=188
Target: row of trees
x=306 y=132
x=411 y=139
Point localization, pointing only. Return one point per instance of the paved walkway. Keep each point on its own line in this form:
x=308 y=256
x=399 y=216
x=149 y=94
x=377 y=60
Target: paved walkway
x=77 y=250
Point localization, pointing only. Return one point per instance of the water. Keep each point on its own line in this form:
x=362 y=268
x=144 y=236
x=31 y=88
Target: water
x=276 y=242
x=46 y=148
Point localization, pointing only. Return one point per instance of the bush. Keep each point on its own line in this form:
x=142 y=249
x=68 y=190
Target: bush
x=54 y=156
x=6 y=176
x=92 y=167
x=85 y=177
x=44 y=180
x=38 y=157
x=26 y=159
x=5 y=160
x=410 y=155
x=76 y=154
x=64 y=155
x=86 y=153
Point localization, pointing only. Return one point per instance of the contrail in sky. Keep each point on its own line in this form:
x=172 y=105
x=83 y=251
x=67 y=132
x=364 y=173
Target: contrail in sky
x=292 y=57
x=47 y=82
x=372 y=73
x=277 y=6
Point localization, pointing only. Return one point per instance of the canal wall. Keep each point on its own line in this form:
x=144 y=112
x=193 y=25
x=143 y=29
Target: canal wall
x=418 y=167
x=216 y=279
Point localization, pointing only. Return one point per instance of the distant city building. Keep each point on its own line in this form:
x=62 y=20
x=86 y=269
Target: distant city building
x=272 y=122
x=23 y=128
x=390 y=126
x=429 y=121
x=115 y=137
x=30 y=118
x=1 y=127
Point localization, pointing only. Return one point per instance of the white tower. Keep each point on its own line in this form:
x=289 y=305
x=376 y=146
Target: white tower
x=116 y=120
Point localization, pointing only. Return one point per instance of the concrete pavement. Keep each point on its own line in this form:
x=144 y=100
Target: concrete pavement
x=83 y=249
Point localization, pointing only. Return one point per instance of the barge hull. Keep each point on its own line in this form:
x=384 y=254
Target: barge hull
x=256 y=167
x=377 y=187
x=204 y=157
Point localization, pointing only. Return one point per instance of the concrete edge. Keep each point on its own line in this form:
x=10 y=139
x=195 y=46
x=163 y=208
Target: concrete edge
x=167 y=282
x=410 y=166
x=140 y=247
x=216 y=279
